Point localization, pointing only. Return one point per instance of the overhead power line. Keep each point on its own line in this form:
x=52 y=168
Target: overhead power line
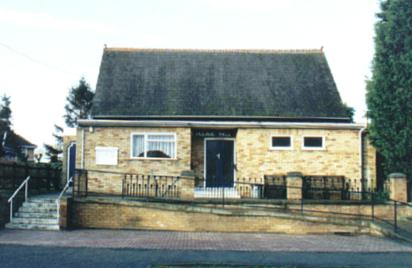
x=24 y=55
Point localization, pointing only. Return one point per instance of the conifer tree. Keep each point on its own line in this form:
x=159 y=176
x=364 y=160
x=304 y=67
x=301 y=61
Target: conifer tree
x=389 y=92
x=79 y=103
x=5 y=112
x=7 y=136
x=53 y=152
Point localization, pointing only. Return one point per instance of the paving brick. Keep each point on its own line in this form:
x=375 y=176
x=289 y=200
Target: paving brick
x=203 y=241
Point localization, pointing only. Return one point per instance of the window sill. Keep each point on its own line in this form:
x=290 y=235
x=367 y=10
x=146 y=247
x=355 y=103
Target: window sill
x=281 y=148
x=151 y=159
x=313 y=149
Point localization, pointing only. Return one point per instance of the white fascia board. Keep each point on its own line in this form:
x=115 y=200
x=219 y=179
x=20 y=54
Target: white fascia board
x=29 y=146
x=213 y=124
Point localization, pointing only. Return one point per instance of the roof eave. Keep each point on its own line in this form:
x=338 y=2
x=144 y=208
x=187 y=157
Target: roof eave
x=318 y=119
x=31 y=146
x=214 y=124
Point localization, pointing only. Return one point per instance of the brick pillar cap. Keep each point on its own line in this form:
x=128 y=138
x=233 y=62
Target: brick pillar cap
x=295 y=174
x=397 y=176
x=188 y=173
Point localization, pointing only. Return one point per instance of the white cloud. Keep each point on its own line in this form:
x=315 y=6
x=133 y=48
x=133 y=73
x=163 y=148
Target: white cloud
x=46 y=21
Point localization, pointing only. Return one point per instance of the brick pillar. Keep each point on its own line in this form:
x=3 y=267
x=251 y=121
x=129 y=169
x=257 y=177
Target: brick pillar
x=398 y=186
x=187 y=185
x=64 y=213
x=294 y=185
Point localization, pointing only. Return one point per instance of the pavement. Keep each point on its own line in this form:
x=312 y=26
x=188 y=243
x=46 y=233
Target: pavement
x=123 y=248
x=202 y=241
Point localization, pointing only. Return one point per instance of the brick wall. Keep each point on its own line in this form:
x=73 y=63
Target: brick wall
x=340 y=157
x=136 y=215
x=198 y=156
x=120 y=138
x=254 y=156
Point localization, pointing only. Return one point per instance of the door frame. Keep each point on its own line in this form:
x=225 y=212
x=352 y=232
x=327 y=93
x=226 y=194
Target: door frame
x=204 y=157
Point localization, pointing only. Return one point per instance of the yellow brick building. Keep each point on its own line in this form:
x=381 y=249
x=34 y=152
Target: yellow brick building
x=222 y=116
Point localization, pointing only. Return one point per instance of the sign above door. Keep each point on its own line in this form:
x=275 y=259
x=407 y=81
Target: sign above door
x=214 y=133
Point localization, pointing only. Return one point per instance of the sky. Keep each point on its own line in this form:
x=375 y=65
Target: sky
x=46 y=46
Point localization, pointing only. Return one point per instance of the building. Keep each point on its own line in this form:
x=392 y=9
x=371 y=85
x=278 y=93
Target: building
x=13 y=144
x=225 y=117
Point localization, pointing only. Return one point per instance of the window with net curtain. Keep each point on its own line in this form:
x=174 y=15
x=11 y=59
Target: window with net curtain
x=155 y=145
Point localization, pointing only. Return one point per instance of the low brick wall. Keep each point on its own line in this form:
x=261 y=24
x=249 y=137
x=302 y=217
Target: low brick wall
x=382 y=211
x=94 y=213
x=64 y=211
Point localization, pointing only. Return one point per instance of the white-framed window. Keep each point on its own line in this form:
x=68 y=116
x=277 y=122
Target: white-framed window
x=313 y=143
x=106 y=156
x=281 y=142
x=153 y=145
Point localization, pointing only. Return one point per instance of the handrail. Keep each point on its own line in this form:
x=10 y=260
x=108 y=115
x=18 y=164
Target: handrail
x=25 y=182
x=66 y=186
x=400 y=202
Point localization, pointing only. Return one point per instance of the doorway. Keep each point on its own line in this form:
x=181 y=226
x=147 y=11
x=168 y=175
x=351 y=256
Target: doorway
x=219 y=162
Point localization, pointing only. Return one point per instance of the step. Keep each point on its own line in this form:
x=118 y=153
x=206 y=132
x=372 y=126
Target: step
x=216 y=192
x=35 y=220
x=39 y=205
x=38 y=209
x=42 y=200
x=31 y=214
x=49 y=227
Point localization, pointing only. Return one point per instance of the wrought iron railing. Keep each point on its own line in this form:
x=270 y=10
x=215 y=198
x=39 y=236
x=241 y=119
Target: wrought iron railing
x=80 y=183
x=271 y=190
x=274 y=187
x=267 y=187
x=334 y=188
x=136 y=185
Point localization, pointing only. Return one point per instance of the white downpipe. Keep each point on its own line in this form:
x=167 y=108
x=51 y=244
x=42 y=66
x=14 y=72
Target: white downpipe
x=82 y=155
x=361 y=154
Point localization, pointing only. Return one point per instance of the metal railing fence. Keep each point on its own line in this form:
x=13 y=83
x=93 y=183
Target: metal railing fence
x=258 y=193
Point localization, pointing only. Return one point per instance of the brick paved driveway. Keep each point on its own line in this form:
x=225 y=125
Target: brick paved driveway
x=203 y=241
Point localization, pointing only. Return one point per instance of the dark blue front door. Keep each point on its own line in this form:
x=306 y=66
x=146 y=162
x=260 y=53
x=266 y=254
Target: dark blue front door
x=71 y=156
x=219 y=163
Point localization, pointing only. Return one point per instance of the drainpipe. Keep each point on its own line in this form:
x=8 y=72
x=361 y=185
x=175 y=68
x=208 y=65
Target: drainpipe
x=361 y=131
x=82 y=158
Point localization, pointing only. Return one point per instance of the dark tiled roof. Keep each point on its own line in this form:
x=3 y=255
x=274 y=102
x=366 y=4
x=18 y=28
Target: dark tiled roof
x=150 y=82
x=13 y=138
x=23 y=142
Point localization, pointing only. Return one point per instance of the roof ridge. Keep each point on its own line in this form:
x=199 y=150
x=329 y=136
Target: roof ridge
x=229 y=50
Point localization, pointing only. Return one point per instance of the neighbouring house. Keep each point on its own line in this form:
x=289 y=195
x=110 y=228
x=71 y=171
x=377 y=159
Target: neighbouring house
x=223 y=116
x=12 y=142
